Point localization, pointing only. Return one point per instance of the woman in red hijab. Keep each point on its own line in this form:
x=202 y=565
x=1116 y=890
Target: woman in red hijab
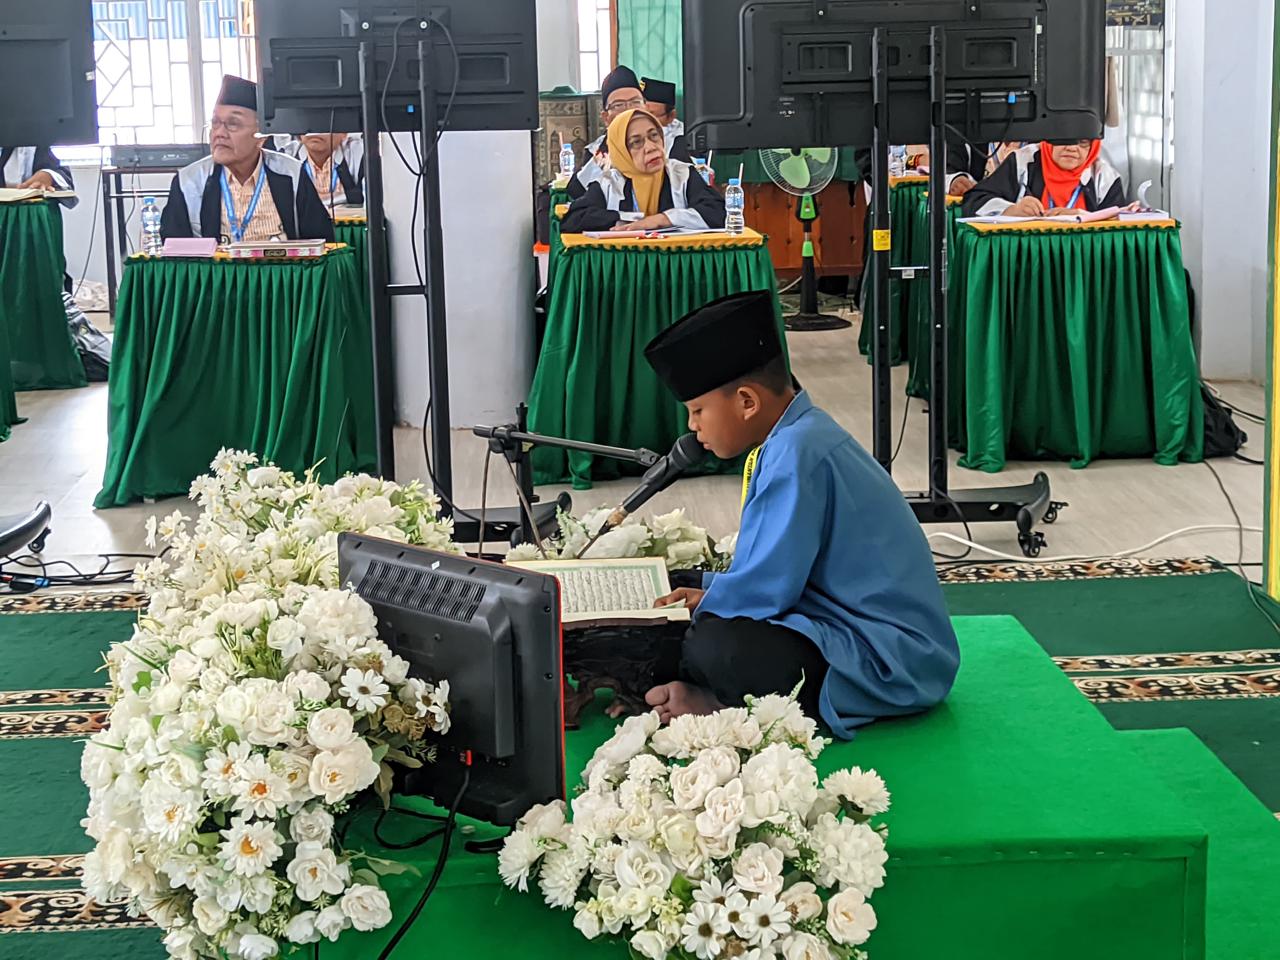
x=1050 y=178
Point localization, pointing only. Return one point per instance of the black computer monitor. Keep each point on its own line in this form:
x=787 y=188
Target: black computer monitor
x=797 y=73
x=309 y=52
x=47 y=73
x=494 y=633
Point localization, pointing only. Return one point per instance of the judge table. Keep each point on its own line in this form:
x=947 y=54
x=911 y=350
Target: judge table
x=41 y=353
x=271 y=356
x=608 y=298
x=905 y=196
x=1070 y=342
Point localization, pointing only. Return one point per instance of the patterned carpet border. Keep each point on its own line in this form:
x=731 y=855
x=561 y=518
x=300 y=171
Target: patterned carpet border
x=1208 y=660
x=1102 y=568
x=71 y=602
x=1165 y=688
x=68 y=866
x=41 y=726
x=77 y=697
x=59 y=911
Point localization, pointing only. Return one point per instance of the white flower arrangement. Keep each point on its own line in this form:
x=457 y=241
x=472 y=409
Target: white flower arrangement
x=672 y=536
x=252 y=707
x=710 y=838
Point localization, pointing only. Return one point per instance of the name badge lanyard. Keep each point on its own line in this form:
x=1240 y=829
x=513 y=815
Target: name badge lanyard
x=238 y=228
x=1071 y=205
x=333 y=184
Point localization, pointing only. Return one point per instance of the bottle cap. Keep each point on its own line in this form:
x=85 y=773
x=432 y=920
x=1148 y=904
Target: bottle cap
x=735 y=182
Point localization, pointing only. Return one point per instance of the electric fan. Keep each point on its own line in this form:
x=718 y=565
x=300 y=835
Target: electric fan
x=804 y=173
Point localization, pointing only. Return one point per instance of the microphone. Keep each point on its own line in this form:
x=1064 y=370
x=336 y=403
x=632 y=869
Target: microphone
x=686 y=452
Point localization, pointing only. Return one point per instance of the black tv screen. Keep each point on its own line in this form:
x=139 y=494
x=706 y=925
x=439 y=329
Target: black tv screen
x=797 y=73
x=309 y=52
x=47 y=73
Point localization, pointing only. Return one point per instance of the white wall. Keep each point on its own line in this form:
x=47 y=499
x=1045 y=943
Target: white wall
x=487 y=183
x=83 y=237
x=1222 y=151
x=557 y=44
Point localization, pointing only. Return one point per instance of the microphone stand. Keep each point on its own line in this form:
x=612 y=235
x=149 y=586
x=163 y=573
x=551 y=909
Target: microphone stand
x=514 y=443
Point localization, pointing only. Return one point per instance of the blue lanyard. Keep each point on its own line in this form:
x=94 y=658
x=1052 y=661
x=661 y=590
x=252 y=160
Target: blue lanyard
x=239 y=227
x=333 y=186
x=1071 y=205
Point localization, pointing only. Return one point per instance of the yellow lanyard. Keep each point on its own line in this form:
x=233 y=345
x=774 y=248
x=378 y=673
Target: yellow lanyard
x=748 y=469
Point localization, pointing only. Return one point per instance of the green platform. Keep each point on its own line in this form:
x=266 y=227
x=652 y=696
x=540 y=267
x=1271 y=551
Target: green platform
x=1023 y=827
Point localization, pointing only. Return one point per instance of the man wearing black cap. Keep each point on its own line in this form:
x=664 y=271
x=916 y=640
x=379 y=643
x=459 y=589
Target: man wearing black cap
x=660 y=100
x=242 y=192
x=832 y=581
x=619 y=91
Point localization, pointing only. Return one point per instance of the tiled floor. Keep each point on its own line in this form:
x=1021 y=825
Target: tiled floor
x=1115 y=505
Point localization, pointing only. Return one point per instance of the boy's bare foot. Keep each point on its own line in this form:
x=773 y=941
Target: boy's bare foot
x=676 y=699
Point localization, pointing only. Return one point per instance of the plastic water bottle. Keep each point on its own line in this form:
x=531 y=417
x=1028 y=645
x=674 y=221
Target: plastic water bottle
x=735 y=204
x=567 y=161
x=152 y=243
x=700 y=164
x=898 y=160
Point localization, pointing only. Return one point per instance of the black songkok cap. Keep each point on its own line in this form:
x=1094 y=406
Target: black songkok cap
x=238 y=92
x=620 y=77
x=659 y=91
x=716 y=344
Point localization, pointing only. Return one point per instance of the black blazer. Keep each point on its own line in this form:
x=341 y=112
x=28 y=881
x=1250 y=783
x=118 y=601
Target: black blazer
x=591 y=210
x=306 y=220
x=44 y=160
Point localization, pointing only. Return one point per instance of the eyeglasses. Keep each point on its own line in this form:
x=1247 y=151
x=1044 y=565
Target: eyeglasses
x=635 y=103
x=234 y=125
x=639 y=140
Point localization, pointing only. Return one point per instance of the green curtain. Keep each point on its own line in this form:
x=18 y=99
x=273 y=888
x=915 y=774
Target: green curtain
x=42 y=352
x=904 y=199
x=8 y=402
x=270 y=357
x=650 y=38
x=592 y=381
x=1072 y=345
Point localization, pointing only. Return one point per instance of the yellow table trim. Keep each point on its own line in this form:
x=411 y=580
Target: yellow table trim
x=1044 y=226
x=909 y=180
x=709 y=241
x=221 y=256
x=561 y=210
x=352 y=221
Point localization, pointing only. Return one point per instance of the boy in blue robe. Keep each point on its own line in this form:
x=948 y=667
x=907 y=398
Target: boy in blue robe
x=833 y=580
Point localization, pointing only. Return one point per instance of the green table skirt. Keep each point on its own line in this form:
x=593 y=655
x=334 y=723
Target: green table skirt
x=904 y=199
x=356 y=236
x=592 y=382
x=42 y=352
x=920 y=298
x=1073 y=346
x=270 y=357
x=1022 y=827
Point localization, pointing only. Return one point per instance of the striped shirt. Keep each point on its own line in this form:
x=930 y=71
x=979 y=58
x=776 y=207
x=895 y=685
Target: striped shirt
x=265 y=224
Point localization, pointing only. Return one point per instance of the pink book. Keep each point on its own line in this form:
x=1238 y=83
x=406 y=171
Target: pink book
x=190 y=247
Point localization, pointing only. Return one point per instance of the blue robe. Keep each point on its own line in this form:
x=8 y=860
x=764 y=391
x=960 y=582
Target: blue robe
x=829 y=548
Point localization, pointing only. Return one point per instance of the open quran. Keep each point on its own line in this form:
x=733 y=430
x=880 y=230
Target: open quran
x=610 y=591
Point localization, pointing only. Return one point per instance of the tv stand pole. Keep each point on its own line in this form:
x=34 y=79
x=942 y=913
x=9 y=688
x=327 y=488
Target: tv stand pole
x=1025 y=505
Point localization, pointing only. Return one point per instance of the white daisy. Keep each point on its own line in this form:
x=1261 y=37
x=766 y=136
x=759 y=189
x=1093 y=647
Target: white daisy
x=222 y=770
x=864 y=789
x=766 y=920
x=364 y=689
x=260 y=791
x=704 y=930
x=518 y=855
x=712 y=890
x=249 y=848
x=738 y=912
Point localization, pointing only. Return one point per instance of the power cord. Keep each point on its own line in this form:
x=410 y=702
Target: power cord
x=93 y=226
x=1184 y=531
x=449 y=824
x=1250 y=587
x=102 y=577
x=902 y=431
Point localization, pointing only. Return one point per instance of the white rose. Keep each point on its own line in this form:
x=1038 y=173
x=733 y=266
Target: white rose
x=367 y=907
x=722 y=811
x=628 y=740
x=178 y=943
x=544 y=820
x=802 y=900
x=596 y=814
x=637 y=824
x=213 y=680
x=209 y=915
x=97 y=765
x=308 y=685
x=639 y=867
x=651 y=944
x=339 y=773
x=718 y=848
x=233 y=708
x=724 y=761
x=184 y=667
x=759 y=869
x=272 y=716
x=314 y=870
x=331 y=729
x=686 y=554
x=804 y=946
x=636 y=904
x=264 y=476
x=166 y=697
x=180 y=770
x=314 y=824
x=691 y=784
x=302 y=928
x=331 y=921
x=395 y=669
x=850 y=918
x=588 y=923
x=679 y=834
x=285 y=635
x=256 y=946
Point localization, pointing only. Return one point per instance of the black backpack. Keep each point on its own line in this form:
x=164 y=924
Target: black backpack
x=1222 y=437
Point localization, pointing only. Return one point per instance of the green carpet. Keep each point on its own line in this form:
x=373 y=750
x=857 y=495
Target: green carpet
x=1244 y=847
x=1229 y=695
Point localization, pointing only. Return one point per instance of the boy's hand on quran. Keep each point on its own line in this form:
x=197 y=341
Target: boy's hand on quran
x=1026 y=207
x=690 y=595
